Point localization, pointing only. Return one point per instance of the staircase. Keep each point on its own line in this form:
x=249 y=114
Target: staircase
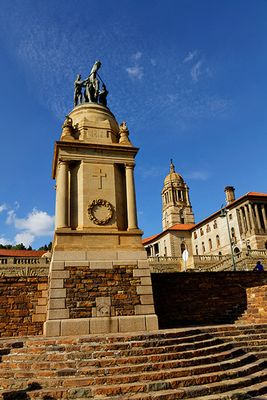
x=207 y=363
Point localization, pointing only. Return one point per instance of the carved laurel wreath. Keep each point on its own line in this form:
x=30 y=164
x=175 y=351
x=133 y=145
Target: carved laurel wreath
x=100 y=203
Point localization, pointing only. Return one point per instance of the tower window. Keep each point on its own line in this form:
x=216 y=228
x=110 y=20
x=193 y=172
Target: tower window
x=208 y=228
x=218 y=240
x=203 y=247
x=195 y=235
x=201 y=232
x=215 y=226
x=196 y=249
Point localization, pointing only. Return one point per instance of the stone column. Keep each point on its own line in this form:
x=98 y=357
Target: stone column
x=257 y=215
x=252 y=216
x=264 y=216
x=240 y=218
x=62 y=195
x=130 y=193
x=247 y=217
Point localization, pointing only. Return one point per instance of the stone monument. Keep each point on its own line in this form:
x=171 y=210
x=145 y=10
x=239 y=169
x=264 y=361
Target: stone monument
x=99 y=280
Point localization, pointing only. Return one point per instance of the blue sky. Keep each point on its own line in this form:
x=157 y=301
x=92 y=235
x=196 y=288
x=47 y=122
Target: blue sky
x=188 y=76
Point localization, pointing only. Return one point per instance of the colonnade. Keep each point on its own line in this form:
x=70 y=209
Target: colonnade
x=252 y=216
x=62 y=196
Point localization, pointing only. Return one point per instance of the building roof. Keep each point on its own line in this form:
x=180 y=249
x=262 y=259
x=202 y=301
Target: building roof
x=181 y=227
x=176 y=227
x=231 y=205
x=21 y=253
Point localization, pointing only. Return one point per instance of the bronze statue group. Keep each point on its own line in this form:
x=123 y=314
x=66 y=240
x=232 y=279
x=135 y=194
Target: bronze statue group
x=91 y=92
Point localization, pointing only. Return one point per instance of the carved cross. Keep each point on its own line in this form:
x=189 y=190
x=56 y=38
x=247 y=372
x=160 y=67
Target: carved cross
x=100 y=176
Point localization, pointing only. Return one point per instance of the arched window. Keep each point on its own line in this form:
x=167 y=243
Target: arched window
x=196 y=249
x=182 y=248
x=182 y=216
x=208 y=228
x=210 y=244
x=195 y=236
x=201 y=232
x=203 y=247
x=218 y=240
x=265 y=245
x=215 y=224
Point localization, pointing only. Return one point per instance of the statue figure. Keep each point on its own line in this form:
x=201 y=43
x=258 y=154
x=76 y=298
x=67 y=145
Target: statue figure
x=103 y=95
x=124 y=133
x=78 y=84
x=91 y=88
x=92 y=84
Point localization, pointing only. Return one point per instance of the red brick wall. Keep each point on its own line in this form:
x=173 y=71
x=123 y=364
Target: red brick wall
x=22 y=305
x=188 y=299
x=256 y=311
x=84 y=285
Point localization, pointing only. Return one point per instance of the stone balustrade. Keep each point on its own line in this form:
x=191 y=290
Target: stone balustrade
x=20 y=266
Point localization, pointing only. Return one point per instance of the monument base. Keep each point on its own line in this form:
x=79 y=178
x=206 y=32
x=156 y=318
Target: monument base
x=86 y=326
x=99 y=291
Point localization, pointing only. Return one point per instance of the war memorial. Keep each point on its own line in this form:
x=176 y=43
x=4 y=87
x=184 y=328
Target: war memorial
x=100 y=325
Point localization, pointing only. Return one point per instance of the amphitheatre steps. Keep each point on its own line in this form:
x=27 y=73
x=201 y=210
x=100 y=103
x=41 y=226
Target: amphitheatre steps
x=220 y=362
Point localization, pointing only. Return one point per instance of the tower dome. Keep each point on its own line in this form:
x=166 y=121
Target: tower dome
x=173 y=177
x=176 y=206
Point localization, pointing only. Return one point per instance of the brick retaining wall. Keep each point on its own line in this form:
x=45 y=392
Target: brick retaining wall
x=23 y=302
x=188 y=299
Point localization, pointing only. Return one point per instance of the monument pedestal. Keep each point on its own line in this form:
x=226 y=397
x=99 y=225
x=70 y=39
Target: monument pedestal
x=99 y=279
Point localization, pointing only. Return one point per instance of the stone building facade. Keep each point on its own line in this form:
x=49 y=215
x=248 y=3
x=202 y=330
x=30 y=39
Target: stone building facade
x=238 y=231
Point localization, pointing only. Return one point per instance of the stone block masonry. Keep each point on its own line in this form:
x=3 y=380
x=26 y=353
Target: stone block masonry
x=115 y=289
x=23 y=305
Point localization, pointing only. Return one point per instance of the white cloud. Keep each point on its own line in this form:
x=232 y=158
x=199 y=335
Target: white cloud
x=198 y=175
x=196 y=71
x=136 y=56
x=3 y=207
x=5 y=241
x=190 y=56
x=37 y=223
x=11 y=215
x=25 y=238
x=135 y=72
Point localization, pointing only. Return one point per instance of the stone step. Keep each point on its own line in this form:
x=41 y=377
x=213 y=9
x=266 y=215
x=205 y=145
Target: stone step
x=244 y=393
x=35 y=351
x=122 y=384
x=188 y=381
x=130 y=374
x=112 y=342
x=199 y=348
x=241 y=393
x=241 y=335
x=95 y=369
x=232 y=389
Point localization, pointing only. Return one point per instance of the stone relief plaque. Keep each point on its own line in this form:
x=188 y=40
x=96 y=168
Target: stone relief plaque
x=100 y=211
